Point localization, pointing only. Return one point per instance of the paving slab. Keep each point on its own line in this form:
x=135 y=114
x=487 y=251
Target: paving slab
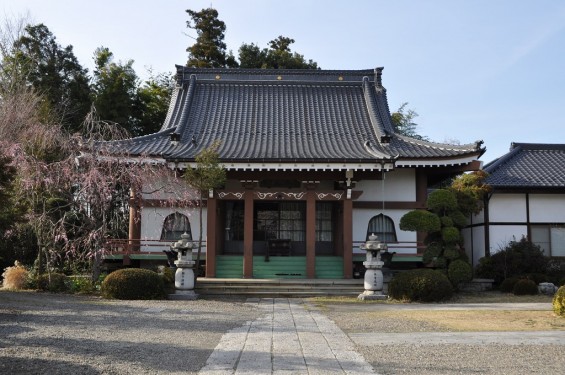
x=288 y=339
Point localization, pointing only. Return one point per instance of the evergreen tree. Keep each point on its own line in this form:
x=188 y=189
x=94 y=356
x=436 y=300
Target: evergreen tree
x=277 y=56
x=152 y=103
x=114 y=90
x=54 y=72
x=403 y=122
x=209 y=51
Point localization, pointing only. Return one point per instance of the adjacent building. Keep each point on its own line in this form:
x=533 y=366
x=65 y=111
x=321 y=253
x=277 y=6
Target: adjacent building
x=527 y=200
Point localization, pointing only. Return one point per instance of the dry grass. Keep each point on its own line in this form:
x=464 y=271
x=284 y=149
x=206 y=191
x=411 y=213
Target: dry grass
x=482 y=297
x=15 y=277
x=421 y=319
x=477 y=320
x=498 y=297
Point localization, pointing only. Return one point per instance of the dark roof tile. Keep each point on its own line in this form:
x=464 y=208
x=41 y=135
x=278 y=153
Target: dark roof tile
x=306 y=115
x=529 y=165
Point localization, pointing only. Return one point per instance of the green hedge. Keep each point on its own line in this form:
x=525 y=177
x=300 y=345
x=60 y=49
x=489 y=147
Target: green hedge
x=133 y=283
x=424 y=285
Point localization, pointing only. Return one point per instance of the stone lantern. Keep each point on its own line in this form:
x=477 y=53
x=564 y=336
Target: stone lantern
x=374 y=280
x=184 y=275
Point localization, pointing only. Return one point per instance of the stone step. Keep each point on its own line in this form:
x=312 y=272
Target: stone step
x=280 y=287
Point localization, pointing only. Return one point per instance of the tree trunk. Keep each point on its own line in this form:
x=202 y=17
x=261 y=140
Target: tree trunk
x=197 y=268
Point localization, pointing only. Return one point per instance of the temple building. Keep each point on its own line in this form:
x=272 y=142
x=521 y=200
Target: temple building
x=313 y=167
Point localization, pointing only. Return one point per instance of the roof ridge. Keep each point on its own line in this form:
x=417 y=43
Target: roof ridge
x=497 y=163
x=260 y=71
x=449 y=146
x=538 y=146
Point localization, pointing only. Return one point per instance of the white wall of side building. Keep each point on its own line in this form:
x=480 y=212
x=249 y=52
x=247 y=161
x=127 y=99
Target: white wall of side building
x=399 y=185
x=508 y=208
x=547 y=208
x=501 y=235
x=474 y=242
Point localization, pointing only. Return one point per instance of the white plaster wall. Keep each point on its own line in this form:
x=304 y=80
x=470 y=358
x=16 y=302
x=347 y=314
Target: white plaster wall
x=507 y=208
x=501 y=235
x=361 y=219
x=478 y=218
x=547 y=208
x=474 y=242
x=152 y=219
x=399 y=185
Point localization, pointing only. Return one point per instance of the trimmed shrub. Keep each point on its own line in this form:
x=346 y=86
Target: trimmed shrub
x=424 y=285
x=81 y=284
x=133 y=283
x=442 y=200
x=432 y=251
x=15 y=277
x=420 y=220
x=507 y=285
x=458 y=272
x=167 y=274
x=458 y=218
x=450 y=234
x=525 y=287
x=57 y=284
x=559 y=302
x=518 y=258
x=446 y=221
x=538 y=278
x=451 y=252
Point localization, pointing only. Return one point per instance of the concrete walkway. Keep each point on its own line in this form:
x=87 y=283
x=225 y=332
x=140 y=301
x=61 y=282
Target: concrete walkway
x=288 y=339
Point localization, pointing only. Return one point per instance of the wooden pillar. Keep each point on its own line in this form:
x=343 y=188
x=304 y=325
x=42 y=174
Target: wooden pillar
x=211 y=236
x=248 y=236
x=347 y=239
x=134 y=232
x=311 y=235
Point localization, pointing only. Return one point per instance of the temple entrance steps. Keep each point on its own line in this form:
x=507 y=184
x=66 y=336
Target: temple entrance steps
x=273 y=288
x=279 y=267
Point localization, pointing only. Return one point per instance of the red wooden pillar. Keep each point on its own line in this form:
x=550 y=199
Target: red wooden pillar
x=211 y=237
x=134 y=232
x=347 y=239
x=248 y=236
x=311 y=235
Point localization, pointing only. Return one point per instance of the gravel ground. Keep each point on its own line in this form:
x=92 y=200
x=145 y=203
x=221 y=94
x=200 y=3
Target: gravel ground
x=44 y=333
x=428 y=359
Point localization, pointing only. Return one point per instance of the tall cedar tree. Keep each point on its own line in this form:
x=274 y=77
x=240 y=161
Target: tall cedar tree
x=114 y=90
x=55 y=73
x=277 y=56
x=403 y=122
x=152 y=103
x=209 y=51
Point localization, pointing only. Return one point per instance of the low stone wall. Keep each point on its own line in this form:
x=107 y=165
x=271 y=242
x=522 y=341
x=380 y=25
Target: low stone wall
x=476 y=285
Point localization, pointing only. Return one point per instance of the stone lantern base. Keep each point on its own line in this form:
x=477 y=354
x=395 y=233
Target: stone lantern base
x=183 y=295
x=370 y=295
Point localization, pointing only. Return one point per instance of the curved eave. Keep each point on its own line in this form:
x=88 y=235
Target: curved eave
x=447 y=162
x=296 y=166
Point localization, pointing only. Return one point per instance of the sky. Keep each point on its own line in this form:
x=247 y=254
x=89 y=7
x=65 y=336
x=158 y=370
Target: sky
x=491 y=70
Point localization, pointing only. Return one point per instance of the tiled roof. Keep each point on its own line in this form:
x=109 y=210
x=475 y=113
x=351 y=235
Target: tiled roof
x=529 y=165
x=284 y=115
